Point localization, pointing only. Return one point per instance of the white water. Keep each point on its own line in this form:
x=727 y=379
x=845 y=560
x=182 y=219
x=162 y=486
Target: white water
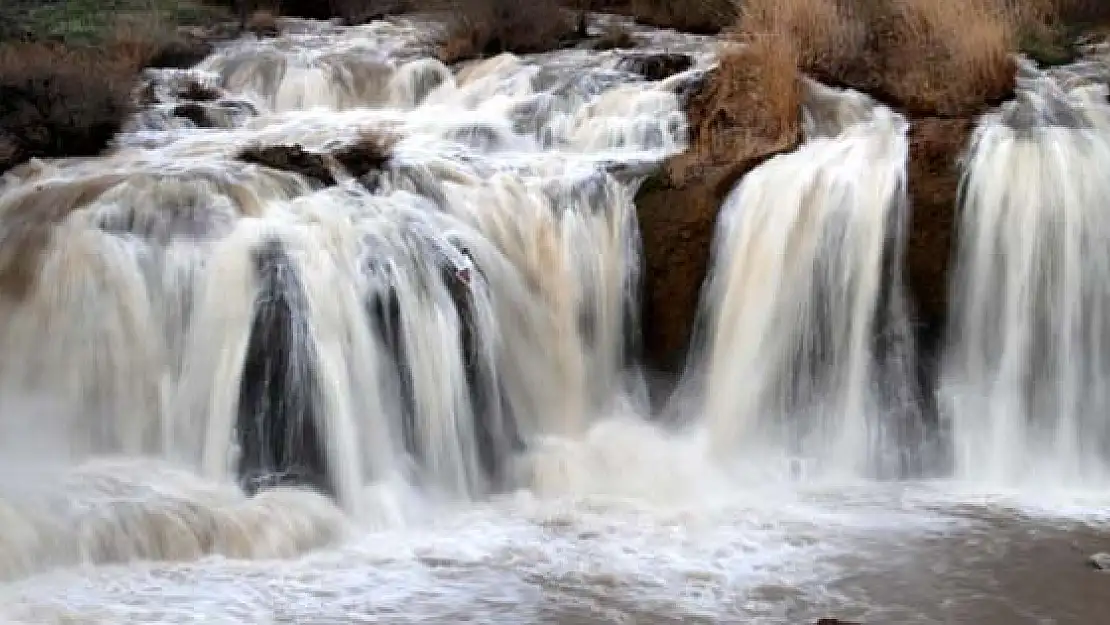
x=117 y=494
x=397 y=340
x=804 y=279
x=1027 y=372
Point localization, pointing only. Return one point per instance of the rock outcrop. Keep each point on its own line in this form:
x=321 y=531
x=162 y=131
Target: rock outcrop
x=361 y=158
x=739 y=115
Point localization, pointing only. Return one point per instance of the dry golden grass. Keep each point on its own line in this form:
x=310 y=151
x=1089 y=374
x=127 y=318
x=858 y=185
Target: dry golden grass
x=750 y=108
x=941 y=57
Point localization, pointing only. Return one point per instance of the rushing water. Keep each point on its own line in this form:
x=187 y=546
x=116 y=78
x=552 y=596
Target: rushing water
x=1027 y=367
x=442 y=346
x=807 y=353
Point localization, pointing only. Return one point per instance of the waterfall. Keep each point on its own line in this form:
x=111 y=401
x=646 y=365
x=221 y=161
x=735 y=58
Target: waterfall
x=1026 y=376
x=412 y=329
x=807 y=354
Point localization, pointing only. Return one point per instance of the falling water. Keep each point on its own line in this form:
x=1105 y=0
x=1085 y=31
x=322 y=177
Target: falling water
x=1027 y=374
x=397 y=390
x=417 y=329
x=807 y=347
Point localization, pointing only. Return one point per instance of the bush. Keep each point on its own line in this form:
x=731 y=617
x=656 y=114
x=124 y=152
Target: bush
x=749 y=108
x=57 y=102
x=489 y=27
x=930 y=57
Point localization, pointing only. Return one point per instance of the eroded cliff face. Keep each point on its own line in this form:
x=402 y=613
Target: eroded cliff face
x=677 y=208
x=936 y=145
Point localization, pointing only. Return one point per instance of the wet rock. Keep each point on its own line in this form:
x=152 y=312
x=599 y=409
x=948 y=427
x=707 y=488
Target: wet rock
x=278 y=425
x=195 y=113
x=936 y=145
x=656 y=66
x=292 y=158
x=368 y=155
x=195 y=91
x=361 y=158
x=1099 y=561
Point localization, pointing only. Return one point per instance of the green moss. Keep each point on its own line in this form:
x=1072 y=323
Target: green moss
x=1049 y=48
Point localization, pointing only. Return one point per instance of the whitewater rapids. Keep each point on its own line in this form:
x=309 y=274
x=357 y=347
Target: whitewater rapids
x=452 y=330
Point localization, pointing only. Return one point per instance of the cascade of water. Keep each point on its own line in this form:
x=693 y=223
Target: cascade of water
x=1026 y=374
x=420 y=326
x=807 y=350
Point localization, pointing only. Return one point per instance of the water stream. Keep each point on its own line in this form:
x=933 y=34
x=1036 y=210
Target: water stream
x=439 y=347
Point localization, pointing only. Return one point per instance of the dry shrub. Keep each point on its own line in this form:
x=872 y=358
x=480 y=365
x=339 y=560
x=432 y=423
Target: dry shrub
x=933 y=57
x=58 y=102
x=696 y=16
x=750 y=108
x=949 y=57
x=489 y=27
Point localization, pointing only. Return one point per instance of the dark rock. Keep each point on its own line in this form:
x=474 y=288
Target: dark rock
x=277 y=423
x=194 y=91
x=656 y=66
x=361 y=158
x=367 y=155
x=834 y=621
x=195 y=113
x=936 y=145
x=293 y=158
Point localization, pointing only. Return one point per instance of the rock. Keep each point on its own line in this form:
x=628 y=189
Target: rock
x=194 y=91
x=656 y=66
x=834 y=621
x=936 y=145
x=1099 y=561
x=9 y=152
x=365 y=156
x=195 y=113
x=293 y=158
x=179 y=54
x=731 y=132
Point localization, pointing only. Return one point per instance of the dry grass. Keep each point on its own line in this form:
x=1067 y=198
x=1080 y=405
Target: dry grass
x=937 y=57
x=489 y=27
x=59 y=102
x=750 y=108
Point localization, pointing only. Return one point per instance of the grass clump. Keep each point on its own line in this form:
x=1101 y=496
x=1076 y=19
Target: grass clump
x=749 y=108
x=930 y=57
